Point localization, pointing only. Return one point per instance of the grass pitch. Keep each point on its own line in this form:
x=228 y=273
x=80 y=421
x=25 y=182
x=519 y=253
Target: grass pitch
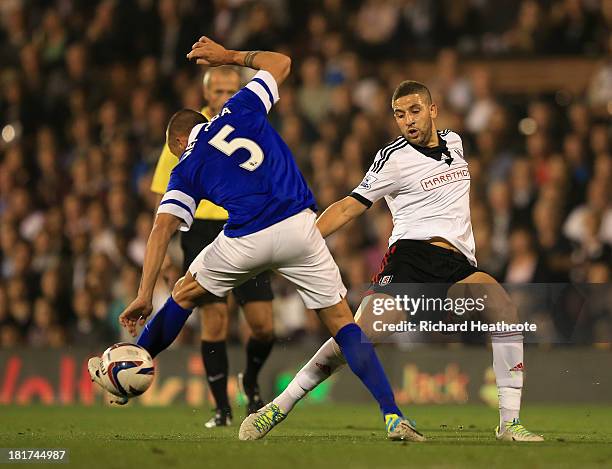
x=313 y=436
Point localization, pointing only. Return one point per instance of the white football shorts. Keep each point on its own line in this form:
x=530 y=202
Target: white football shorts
x=293 y=247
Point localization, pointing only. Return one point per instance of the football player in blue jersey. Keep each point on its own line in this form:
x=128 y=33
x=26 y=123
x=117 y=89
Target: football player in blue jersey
x=239 y=162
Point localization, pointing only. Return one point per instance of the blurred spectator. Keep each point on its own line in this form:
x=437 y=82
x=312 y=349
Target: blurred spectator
x=481 y=110
x=529 y=34
x=600 y=87
x=86 y=329
x=598 y=204
x=376 y=25
x=574 y=27
x=526 y=264
x=43 y=321
x=314 y=95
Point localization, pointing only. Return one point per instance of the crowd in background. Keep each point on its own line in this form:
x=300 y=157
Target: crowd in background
x=87 y=87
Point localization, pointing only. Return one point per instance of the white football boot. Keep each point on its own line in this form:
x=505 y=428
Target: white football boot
x=94 y=366
x=514 y=431
x=258 y=424
x=401 y=429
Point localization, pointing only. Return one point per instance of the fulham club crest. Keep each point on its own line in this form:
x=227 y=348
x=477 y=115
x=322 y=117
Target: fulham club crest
x=386 y=280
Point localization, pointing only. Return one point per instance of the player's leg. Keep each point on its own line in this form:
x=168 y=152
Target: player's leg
x=161 y=330
x=214 y=324
x=359 y=354
x=304 y=259
x=508 y=357
x=222 y=265
x=255 y=297
x=349 y=341
x=329 y=359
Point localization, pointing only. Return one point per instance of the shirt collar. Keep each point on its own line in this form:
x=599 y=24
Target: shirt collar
x=194 y=133
x=434 y=152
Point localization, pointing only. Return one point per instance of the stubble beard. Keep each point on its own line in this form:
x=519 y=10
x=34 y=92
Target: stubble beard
x=426 y=135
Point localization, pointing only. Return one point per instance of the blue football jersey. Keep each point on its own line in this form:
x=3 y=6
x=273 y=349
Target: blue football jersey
x=239 y=162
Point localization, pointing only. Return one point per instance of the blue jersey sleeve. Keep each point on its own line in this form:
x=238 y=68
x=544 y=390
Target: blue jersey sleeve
x=259 y=94
x=179 y=201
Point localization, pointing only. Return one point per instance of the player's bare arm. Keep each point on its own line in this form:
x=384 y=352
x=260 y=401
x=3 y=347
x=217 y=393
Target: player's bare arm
x=339 y=214
x=164 y=227
x=207 y=52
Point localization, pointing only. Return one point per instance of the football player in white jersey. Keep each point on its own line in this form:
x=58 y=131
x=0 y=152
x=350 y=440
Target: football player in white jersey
x=425 y=181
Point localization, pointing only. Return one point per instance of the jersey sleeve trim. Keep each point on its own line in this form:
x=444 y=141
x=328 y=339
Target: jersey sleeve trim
x=262 y=93
x=185 y=200
x=265 y=88
x=360 y=198
x=267 y=80
x=178 y=211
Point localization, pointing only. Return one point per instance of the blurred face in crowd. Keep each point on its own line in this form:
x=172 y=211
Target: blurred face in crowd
x=43 y=313
x=81 y=303
x=414 y=116
x=50 y=284
x=9 y=336
x=521 y=242
x=219 y=86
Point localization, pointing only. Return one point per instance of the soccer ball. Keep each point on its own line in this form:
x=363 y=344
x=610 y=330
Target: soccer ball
x=128 y=368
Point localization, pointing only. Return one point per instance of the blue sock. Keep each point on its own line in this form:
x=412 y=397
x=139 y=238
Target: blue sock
x=163 y=328
x=362 y=359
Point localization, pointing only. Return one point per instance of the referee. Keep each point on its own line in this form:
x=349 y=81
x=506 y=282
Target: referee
x=255 y=296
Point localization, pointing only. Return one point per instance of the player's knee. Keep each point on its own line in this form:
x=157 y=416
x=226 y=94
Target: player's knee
x=213 y=334
x=187 y=292
x=262 y=332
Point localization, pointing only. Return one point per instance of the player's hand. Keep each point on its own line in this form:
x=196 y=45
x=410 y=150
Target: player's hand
x=208 y=52
x=136 y=313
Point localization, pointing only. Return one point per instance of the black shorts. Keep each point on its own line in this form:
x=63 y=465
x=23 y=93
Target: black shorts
x=201 y=234
x=418 y=269
x=408 y=261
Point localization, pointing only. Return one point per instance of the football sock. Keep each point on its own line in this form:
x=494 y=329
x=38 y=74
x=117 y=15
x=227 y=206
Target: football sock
x=323 y=364
x=361 y=358
x=508 y=368
x=164 y=327
x=257 y=352
x=509 y=404
x=214 y=357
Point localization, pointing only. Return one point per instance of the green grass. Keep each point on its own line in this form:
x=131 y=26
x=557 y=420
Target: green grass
x=314 y=436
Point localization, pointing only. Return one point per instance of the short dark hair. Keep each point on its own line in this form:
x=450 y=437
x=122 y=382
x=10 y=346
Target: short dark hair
x=182 y=122
x=411 y=87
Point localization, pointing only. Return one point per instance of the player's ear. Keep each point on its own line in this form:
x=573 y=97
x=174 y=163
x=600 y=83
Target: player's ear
x=181 y=143
x=433 y=109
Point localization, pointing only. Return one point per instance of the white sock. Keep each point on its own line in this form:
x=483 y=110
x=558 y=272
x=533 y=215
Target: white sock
x=508 y=367
x=321 y=366
x=509 y=404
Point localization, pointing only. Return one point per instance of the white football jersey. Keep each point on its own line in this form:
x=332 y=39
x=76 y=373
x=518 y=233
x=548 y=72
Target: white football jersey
x=426 y=189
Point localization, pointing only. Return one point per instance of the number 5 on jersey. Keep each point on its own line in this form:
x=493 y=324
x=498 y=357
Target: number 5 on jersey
x=220 y=142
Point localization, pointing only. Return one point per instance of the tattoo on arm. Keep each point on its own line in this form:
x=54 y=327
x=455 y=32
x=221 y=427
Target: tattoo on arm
x=250 y=57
